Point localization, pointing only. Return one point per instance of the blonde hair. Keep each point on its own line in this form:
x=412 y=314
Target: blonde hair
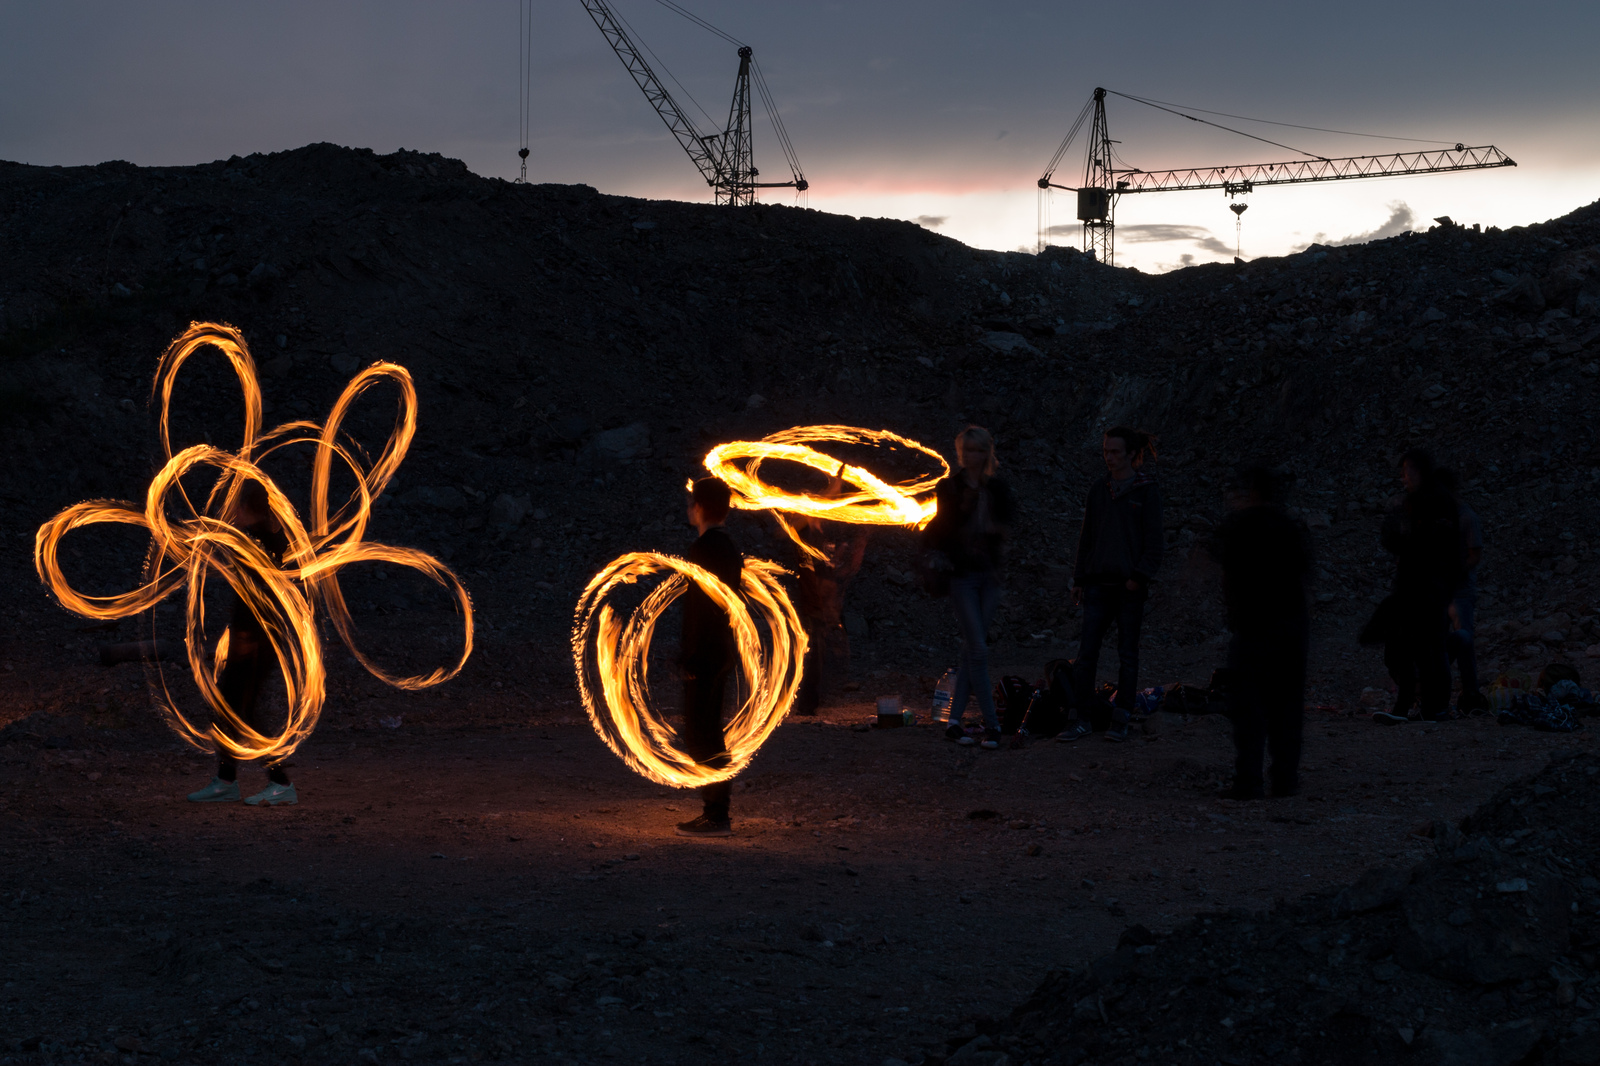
x=982 y=437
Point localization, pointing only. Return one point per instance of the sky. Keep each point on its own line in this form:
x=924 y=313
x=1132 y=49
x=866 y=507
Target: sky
x=941 y=112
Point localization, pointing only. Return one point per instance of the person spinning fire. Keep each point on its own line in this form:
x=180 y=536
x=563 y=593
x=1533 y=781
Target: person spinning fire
x=249 y=657
x=706 y=652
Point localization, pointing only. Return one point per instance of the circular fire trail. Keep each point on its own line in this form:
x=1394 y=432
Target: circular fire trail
x=611 y=654
x=185 y=551
x=864 y=499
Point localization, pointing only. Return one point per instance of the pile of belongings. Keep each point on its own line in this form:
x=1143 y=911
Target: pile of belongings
x=1554 y=704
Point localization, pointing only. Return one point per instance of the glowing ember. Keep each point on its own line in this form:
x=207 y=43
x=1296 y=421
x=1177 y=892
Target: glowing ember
x=612 y=653
x=184 y=552
x=865 y=498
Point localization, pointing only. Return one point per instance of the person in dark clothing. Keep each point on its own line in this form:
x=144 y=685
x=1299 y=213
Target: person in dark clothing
x=820 y=585
x=707 y=653
x=249 y=658
x=966 y=539
x=1463 y=606
x=1266 y=559
x=1119 y=551
x=1424 y=534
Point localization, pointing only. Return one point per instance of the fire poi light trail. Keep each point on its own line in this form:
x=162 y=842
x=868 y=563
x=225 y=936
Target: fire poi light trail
x=611 y=655
x=184 y=552
x=866 y=500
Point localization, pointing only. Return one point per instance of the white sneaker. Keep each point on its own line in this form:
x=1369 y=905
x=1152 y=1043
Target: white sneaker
x=273 y=795
x=219 y=791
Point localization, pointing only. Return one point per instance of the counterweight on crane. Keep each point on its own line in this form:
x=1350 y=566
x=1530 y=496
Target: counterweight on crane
x=724 y=159
x=1104 y=183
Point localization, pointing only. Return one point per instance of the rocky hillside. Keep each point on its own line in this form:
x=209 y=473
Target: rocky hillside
x=576 y=353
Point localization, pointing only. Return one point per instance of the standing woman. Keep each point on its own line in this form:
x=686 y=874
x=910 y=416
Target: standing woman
x=966 y=539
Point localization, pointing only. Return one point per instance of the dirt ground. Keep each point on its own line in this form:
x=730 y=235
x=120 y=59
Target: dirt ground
x=493 y=885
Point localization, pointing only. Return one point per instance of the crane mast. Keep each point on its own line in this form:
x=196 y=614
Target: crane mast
x=1104 y=183
x=724 y=159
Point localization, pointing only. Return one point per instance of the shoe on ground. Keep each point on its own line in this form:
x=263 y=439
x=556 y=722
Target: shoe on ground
x=1117 y=732
x=705 y=827
x=1472 y=703
x=1446 y=715
x=1076 y=730
x=954 y=732
x=1389 y=718
x=219 y=791
x=274 y=795
x=1242 y=792
x=991 y=739
x=966 y=741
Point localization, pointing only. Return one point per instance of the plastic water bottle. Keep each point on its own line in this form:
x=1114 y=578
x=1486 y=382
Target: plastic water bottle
x=943 y=695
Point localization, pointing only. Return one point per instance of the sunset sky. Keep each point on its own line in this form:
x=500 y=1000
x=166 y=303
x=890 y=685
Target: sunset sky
x=939 y=111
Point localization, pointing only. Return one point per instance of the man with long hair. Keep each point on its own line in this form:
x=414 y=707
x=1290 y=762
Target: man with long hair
x=1119 y=551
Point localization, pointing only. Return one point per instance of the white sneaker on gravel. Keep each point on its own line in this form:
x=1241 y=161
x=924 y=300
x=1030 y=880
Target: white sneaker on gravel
x=219 y=791
x=273 y=795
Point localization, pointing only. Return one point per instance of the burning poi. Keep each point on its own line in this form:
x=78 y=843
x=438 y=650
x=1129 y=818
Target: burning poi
x=611 y=656
x=184 y=552
x=865 y=499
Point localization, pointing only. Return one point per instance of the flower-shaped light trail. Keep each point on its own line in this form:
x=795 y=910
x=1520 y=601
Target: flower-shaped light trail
x=611 y=655
x=183 y=552
x=865 y=498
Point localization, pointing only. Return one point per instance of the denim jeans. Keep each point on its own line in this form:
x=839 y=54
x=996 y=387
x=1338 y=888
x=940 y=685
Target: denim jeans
x=974 y=597
x=1103 y=605
x=1460 y=640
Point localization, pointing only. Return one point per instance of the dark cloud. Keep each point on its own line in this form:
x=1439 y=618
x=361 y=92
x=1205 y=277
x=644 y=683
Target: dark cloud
x=1160 y=232
x=1066 y=229
x=1401 y=220
x=931 y=221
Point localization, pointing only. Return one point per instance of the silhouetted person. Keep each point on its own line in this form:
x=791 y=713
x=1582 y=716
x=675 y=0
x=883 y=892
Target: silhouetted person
x=1266 y=559
x=1119 y=551
x=250 y=658
x=1424 y=534
x=707 y=653
x=819 y=600
x=967 y=537
x=1463 y=606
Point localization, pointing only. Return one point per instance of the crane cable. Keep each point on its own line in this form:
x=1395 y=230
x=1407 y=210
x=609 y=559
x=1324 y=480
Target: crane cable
x=1290 y=125
x=524 y=81
x=1066 y=141
x=1218 y=125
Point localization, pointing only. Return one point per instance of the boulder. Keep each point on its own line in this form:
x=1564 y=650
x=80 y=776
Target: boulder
x=1008 y=344
x=625 y=442
x=508 y=511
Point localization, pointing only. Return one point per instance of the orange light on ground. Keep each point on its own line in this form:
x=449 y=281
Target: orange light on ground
x=611 y=655
x=864 y=499
x=184 y=552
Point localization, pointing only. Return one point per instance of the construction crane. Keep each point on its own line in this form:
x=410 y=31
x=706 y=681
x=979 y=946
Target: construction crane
x=1104 y=182
x=724 y=159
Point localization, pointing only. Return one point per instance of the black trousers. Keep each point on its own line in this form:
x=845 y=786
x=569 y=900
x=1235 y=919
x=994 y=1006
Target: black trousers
x=1417 y=655
x=1103 y=606
x=1267 y=701
x=702 y=734
x=243 y=675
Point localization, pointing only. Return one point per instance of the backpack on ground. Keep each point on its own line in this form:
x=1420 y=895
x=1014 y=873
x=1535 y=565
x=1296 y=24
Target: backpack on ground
x=1011 y=698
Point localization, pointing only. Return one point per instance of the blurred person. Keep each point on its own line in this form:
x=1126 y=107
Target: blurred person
x=966 y=538
x=1423 y=533
x=1119 y=552
x=249 y=658
x=707 y=653
x=1463 y=606
x=819 y=599
x=1266 y=559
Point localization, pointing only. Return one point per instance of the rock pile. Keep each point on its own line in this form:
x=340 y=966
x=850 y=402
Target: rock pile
x=1485 y=955
x=576 y=353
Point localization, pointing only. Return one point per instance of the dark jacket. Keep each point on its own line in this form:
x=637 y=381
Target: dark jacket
x=1266 y=559
x=1121 y=537
x=948 y=532
x=1424 y=534
x=707 y=645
